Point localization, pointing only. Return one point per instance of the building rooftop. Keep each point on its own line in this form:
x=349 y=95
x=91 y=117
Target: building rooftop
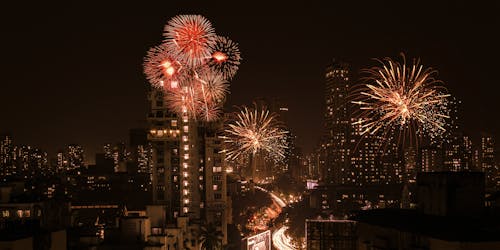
x=449 y=228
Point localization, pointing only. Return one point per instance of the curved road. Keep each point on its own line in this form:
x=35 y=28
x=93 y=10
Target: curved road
x=280 y=240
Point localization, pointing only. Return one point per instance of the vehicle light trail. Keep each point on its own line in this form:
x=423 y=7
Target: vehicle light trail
x=281 y=241
x=276 y=198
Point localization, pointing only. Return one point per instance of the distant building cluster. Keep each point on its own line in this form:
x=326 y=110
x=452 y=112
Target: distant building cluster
x=356 y=170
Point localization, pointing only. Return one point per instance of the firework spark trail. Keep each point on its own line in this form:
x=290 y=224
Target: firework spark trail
x=190 y=37
x=225 y=57
x=161 y=68
x=253 y=131
x=397 y=97
x=192 y=67
x=215 y=85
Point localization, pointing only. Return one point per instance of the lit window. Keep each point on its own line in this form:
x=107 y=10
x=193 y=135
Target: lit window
x=5 y=213
x=186 y=129
x=215 y=187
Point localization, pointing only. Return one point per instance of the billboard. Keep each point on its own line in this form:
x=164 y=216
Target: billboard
x=311 y=184
x=261 y=241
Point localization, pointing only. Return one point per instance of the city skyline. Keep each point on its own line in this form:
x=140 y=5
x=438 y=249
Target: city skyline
x=85 y=87
x=196 y=125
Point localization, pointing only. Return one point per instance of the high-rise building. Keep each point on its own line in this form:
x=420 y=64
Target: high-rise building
x=458 y=153
x=337 y=122
x=364 y=159
x=165 y=138
x=430 y=159
x=75 y=156
x=410 y=165
x=119 y=154
x=352 y=157
x=7 y=166
x=267 y=169
x=212 y=176
x=188 y=172
x=488 y=164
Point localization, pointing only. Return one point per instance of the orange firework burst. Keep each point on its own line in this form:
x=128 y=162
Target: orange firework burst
x=183 y=67
x=395 y=96
x=190 y=37
x=255 y=130
x=161 y=68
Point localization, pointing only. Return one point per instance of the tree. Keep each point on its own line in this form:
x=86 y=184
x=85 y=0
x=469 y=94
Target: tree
x=211 y=237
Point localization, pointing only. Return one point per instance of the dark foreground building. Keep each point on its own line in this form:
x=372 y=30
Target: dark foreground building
x=450 y=215
x=331 y=234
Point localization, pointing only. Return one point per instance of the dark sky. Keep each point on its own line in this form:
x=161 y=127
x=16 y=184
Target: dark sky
x=72 y=73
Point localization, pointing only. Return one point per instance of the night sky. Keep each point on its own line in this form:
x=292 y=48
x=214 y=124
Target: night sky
x=72 y=73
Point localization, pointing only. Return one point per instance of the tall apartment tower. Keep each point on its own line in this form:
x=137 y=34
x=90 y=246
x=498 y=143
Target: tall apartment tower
x=7 y=166
x=488 y=164
x=337 y=122
x=458 y=153
x=212 y=176
x=188 y=172
x=175 y=168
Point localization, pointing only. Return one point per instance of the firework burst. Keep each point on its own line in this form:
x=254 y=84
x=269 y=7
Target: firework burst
x=395 y=97
x=225 y=57
x=255 y=130
x=186 y=99
x=214 y=86
x=192 y=76
x=161 y=68
x=190 y=37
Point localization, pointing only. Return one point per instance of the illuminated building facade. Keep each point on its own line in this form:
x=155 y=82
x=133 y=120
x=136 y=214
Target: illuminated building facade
x=7 y=165
x=488 y=164
x=347 y=156
x=410 y=164
x=119 y=154
x=430 y=159
x=337 y=123
x=75 y=156
x=188 y=172
x=165 y=138
x=213 y=188
x=458 y=153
